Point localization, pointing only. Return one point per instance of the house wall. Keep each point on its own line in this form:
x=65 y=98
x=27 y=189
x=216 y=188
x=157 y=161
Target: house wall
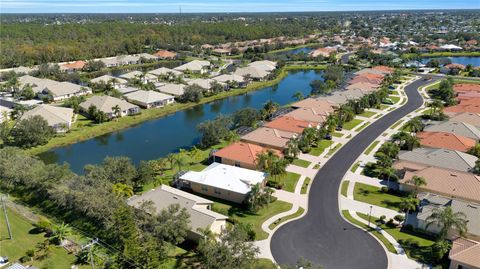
x=456 y=265
x=263 y=145
x=218 y=193
x=235 y=163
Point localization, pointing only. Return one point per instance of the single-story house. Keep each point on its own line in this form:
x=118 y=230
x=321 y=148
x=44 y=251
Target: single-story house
x=106 y=104
x=430 y=202
x=446 y=141
x=467 y=117
x=364 y=86
x=232 y=79
x=470 y=105
x=252 y=72
x=269 y=138
x=199 y=209
x=466 y=87
x=137 y=75
x=59 y=118
x=172 y=89
x=265 y=65
x=165 y=54
x=116 y=82
x=127 y=90
x=307 y=114
x=447 y=182
x=195 y=66
x=455 y=127
x=320 y=106
x=149 y=99
x=37 y=84
x=223 y=181
x=241 y=154
x=443 y=158
x=291 y=124
x=464 y=254
x=73 y=67
x=63 y=90
x=324 y=52
x=222 y=52
x=163 y=71
x=205 y=83
x=449 y=68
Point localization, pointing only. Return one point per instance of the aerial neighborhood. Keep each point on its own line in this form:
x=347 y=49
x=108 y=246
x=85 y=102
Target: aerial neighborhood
x=240 y=140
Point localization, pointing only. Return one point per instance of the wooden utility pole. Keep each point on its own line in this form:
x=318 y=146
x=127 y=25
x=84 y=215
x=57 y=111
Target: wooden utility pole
x=6 y=219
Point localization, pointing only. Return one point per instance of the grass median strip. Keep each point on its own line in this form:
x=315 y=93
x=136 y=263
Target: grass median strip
x=352 y=124
x=332 y=151
x=375 y=233
x=371 y=147
x=355 y=167
x=279 y=221
x=344 y=188
x=396 y=124
x=305 y=184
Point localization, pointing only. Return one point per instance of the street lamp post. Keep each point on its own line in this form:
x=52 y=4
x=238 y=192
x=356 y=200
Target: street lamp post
x=370 y=216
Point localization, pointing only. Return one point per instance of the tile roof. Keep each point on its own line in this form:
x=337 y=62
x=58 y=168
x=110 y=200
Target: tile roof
x=229 y=77
x=466 y=252
x=52 y=114
x=290 y=124
x=444 y=158
x=165 y=54
x=164 y=71
x=384 y=68
x=105 y=103
x=148 y=96
x=252 y=71
x=466 y=87
x=173 y=89
x=107 y=78
x=195 y=65
x=74 y=65
x=320 y=106
x=455 y=127
x=307 y=114
x=445 y=140
x=467 y=117
x=269 y=137
x=243 y=152
x=447 y=182
x=164 y=196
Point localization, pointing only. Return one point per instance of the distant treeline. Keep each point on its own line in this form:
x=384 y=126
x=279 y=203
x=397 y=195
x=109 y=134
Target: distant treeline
x=33 y=43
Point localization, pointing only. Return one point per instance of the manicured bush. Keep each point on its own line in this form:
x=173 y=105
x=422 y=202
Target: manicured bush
x=275 y=184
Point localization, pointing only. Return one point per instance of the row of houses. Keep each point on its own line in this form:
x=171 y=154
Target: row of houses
x=448 y=169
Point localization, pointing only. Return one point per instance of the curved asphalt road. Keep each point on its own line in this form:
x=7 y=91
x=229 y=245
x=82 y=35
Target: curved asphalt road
x=322 y=236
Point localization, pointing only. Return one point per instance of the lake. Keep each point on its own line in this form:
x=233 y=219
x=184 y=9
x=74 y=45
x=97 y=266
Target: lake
x=474 y=61
x=305 y=50
x=157 y=138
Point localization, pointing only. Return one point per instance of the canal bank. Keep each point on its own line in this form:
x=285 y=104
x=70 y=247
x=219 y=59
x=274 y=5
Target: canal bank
x=157 y=138
x=88 y=131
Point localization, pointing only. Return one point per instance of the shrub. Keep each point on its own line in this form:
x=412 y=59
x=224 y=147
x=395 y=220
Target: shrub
x=384 y=189
x=44 y=225
x=382 y=219
x=275 y=184
x=399 y=218
x=408 y=227
x=390 y=223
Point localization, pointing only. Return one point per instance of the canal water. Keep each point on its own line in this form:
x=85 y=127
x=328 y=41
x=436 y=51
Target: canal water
x=157 y=138
x=474 y=61
x=305 y=50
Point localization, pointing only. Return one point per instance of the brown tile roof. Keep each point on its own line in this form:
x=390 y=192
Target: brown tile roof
x=290 y=124
x=466 y=252
x=457 y=66
x=319 y=106
x=269 y=137
x=383 y=68
x=447 y=182
x=75 y=65
x=445 y=140
x=467 y=117
x=364 y=86
x=165 y=54
x=466 y=87
x=307 y=114
x=365 y=79
x=243 y=152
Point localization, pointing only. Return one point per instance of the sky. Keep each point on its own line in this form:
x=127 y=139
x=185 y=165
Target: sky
x=192 y=6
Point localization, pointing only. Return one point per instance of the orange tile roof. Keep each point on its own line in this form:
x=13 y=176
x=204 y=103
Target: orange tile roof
x=243 y=152
x=471 y=105
x=290 y=124
x=445 y=140
x=165 y=54
x=384 y=68
x=446 y=182
x=466 y=87
x=464 y=96
x=466 y=252
x=365 y=79
x=75 y=65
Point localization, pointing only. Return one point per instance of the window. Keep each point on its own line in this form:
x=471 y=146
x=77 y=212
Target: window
x=204 y=188
x=217 y=191
x=237 y=164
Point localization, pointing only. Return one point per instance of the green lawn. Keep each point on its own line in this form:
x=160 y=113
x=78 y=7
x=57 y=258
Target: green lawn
x=375 y=233
x=24 y=238
x=362 y=127
x=367 y=114
x=396 y=124
x=352 y=124
x=255 y=219
x=355 y=167
x=419 y=253
x=394 y=92
x=289 y=181
x=301 y=163
x=337 y=134
x=281 y=220
x=384 y=107
x=373 y=195
x=371 y=147
x=305 y=184
x=316 y=151
x=395 y=99
x=332 y=151
x=344 y=188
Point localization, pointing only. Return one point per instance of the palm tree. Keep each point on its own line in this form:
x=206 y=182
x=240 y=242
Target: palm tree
x=440 y=248
x=292 y=150
x=179 y=161
x=278 y=168
x=117 y=111
x=417 y=182
x=436 y=107
x=414 y=125
x=331 y=123
x=60 y=233
x=345 y=114
x=122 y=190
x=448 y=220
x=408 y=204
x=265 y=160
x=298 y=96
x=387 y=172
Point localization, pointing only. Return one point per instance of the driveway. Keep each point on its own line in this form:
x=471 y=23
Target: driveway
x=322 y=235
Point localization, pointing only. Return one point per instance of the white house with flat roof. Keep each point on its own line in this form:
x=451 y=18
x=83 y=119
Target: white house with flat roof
x=223 y=181
x=199 y=209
